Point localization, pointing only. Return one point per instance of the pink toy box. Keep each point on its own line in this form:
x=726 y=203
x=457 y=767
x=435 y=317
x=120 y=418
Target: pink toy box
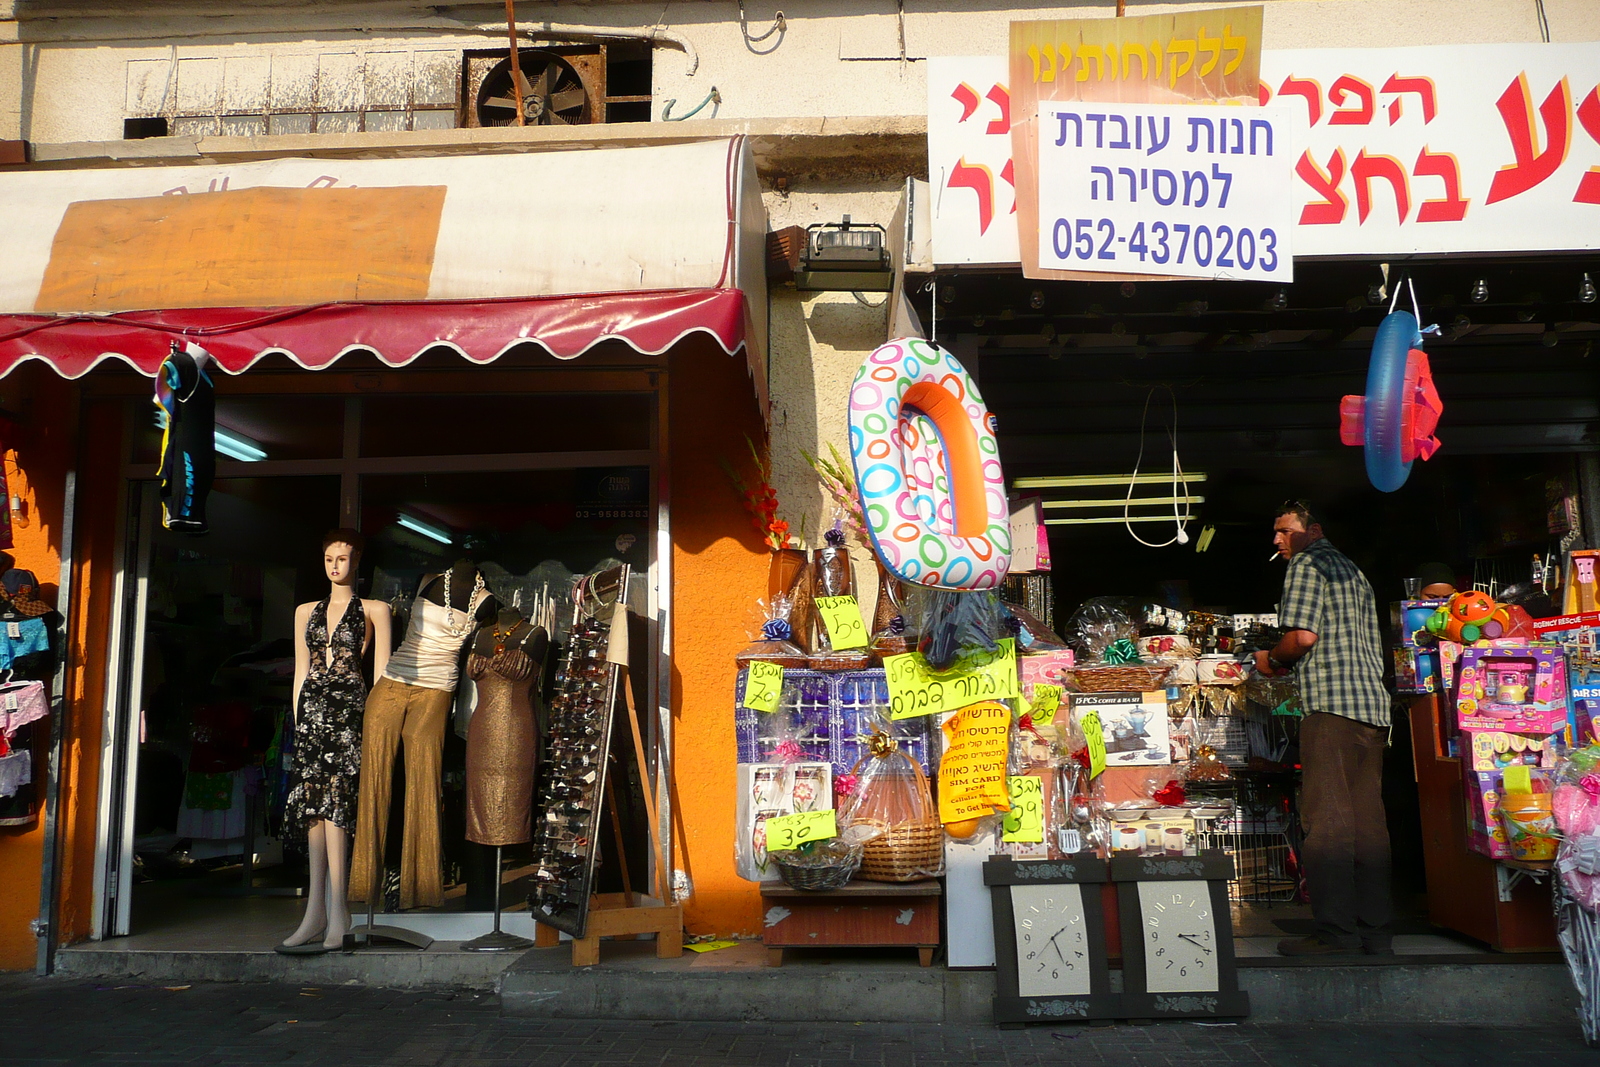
x=1517 y=689
x=1486 y=755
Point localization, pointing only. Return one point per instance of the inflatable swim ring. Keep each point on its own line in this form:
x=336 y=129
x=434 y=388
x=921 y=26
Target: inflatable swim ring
x=1394 y=422
x=928 y=468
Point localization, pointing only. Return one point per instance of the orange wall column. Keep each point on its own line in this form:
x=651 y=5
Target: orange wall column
x=719 y=571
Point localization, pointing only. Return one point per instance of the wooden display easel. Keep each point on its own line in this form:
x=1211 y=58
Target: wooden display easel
x=627 y=914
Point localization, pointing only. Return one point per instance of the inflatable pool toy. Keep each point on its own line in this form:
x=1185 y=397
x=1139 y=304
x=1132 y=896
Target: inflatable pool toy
x=1395 y=421
x=927 y=467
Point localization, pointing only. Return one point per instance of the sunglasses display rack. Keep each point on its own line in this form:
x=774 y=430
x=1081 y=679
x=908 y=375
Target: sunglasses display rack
x=573 y=770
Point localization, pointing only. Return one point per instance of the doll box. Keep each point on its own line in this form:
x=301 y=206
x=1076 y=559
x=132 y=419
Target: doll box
x=1406 y=617
x=1523 y=690
x=1416 y=670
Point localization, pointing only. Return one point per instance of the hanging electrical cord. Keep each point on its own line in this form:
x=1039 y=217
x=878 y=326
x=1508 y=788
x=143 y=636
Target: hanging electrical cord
x=1179 y=501
x=780 y=26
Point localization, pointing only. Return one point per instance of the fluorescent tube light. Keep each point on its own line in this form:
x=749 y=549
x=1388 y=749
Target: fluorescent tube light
x=237 y=446
x=1138 y=501
x=1101 y=519
x=1075 y=480
x=426 y=529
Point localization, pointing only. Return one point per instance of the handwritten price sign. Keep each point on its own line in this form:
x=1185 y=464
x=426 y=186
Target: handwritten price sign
x=841 y=615
x=792 y=831
x=1046 y=701
x=1096 y=739
x=763 y=686
x=915 y=689
x=1024 y=823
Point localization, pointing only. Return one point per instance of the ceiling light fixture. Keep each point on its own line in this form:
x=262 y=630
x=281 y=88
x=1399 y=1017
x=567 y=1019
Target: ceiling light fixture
x=1101 y=520
x=1586 y=291
x=1279 y=301
x=1136 y=502
x=1036 y=299
x=237 y=446
x=426 y=529
x=1480 y=291
x=1073 y=481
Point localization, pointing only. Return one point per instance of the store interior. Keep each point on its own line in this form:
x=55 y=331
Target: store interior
x=215 y=861
x=1225 y=400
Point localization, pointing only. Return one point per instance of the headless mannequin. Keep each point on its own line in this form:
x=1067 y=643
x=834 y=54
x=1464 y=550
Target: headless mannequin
x=327 y=913
x=502 y=742
x=409 y=704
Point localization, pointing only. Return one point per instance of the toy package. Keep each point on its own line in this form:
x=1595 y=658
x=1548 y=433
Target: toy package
x=1492 y=759
x=1523 y=690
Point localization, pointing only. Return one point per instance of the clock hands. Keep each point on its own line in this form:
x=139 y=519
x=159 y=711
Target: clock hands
x=1190 y=938
x=1055 y=946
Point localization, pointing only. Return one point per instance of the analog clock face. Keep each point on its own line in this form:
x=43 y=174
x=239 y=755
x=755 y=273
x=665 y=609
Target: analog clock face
x=1180 y=937
x=1052 y=940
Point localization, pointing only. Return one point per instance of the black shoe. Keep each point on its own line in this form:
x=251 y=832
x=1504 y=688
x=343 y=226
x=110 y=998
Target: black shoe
x=1313 y=946
x=1378 y=947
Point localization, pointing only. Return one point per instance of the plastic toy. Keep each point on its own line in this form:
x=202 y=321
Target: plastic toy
x=1468 y=617
x=1395 y=421
x=928 y=467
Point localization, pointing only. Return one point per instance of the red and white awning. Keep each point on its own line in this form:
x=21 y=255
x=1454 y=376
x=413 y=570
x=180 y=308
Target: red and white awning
x=313 y=258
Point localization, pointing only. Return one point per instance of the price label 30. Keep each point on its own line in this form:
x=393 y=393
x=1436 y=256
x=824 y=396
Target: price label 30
x=791 y=831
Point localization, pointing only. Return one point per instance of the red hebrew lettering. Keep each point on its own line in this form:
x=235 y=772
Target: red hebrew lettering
x=1423 y=87
x=1365 y=169
x=1350 y=85
x=1309 y=88
x=1532 y=166
x=976 y=176
x=1010 y=175
x=1330 y=210
x=1442 y=165
x=1589 y=117
x=967 y=97
x=1001 y=98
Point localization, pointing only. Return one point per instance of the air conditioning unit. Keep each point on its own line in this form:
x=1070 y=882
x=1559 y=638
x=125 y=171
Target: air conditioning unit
x=564 y=85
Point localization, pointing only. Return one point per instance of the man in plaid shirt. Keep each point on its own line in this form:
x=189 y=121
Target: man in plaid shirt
x=1332 y=644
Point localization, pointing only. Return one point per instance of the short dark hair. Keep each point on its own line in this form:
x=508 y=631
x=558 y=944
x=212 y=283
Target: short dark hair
x=345 y=536
x=1300 y=510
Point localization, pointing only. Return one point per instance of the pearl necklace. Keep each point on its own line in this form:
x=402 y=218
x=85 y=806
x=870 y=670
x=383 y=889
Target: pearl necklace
x=449 y=608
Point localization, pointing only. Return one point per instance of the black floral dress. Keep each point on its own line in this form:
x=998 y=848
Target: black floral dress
x=327 y=728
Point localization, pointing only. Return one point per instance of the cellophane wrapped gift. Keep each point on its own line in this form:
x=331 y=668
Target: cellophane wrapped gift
x=773 y=641
x=892 y=815
x=833 y=575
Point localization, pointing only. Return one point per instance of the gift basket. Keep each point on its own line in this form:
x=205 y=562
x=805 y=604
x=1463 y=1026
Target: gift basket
x=819 y=865
x=893 y=815
x=1102 y=633
x=833 y=575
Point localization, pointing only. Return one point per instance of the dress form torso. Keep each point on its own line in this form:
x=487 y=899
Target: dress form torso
x=502 y=740
x=428 y=655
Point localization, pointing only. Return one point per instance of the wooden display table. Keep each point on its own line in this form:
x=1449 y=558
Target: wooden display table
x=861 y=915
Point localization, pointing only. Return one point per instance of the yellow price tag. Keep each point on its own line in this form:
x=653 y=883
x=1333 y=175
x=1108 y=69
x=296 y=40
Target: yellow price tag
x=1046 y=700
x=763 y=686
x=1516 y=779
x=1096 y=739
x=914 y=689
x=1024 y=823
x=841 y=615
x=792 y=831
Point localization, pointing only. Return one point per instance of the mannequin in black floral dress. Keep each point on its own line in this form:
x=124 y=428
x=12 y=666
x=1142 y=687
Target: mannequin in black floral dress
x=329 y=698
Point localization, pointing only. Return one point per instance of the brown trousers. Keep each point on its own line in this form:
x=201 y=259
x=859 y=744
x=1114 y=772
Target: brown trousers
x=1346 y=850
x=399 y=712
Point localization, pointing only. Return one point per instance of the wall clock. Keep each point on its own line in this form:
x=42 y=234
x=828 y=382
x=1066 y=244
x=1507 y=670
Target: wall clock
x=1049 y=940
x=1177 y=937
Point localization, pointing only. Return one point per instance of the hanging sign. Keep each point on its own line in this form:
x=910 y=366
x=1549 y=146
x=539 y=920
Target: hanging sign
x=1046 y=700
x=791 y=831
x=1024 y=823
x=1191 y=191
x=763 y=686
x=841 y=616
x=1095 y=738
x=915 y=689
x=972 y=771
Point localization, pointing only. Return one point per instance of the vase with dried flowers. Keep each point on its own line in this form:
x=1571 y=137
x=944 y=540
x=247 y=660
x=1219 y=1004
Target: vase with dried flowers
x=888 y=616
x=788 y=604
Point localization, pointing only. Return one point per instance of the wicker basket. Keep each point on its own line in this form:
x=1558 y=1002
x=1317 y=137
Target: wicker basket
x=1121 y=677
x=909 y=852
x=820 y=870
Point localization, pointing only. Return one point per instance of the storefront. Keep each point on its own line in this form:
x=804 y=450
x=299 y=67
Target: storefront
x=545 y=394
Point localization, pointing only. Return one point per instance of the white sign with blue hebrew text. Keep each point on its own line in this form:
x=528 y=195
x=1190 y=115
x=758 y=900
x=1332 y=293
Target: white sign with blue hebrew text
x=1198 y=191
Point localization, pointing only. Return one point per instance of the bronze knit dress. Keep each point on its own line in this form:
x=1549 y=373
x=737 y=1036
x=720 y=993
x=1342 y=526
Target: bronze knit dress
x=502 y=749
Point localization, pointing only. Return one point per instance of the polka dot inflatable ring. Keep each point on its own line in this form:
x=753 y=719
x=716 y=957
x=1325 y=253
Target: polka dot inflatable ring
x=927 y=468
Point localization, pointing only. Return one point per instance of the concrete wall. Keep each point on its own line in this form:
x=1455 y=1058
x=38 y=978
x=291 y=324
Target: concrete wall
x=833 y=58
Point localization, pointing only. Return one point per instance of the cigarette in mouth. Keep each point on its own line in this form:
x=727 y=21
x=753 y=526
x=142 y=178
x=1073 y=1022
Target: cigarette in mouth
x=1273 y=556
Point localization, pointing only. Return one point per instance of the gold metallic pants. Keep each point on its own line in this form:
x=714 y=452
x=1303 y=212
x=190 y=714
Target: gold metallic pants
x=398 y=712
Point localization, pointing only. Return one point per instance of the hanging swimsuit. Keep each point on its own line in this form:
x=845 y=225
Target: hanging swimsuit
x=186 y=409
x=327 y=729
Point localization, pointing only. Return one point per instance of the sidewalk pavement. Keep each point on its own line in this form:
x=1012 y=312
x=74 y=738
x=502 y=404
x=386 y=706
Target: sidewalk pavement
x=57 y=1022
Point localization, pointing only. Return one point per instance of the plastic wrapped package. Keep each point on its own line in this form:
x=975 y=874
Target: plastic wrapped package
x=889 y=636
x=946 y=623
x=892 y=815
x=1100 y=623
x=1032 y=635
x=773 y=641
x=833 y=575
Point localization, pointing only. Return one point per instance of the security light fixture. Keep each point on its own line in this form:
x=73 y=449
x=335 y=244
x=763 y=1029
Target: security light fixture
x=1586 y=291
x=845 y=257
x=1480 y=291
x=1036 y=299
x=1279 y=300
x=237 y=446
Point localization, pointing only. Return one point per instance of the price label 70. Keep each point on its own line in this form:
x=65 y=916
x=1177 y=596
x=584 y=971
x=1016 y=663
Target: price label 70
x=841 y=616
x=763 y=685
x=792 y=831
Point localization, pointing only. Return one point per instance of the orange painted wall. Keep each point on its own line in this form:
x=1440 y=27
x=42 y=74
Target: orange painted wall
x=719 y=570
x=36 y=472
